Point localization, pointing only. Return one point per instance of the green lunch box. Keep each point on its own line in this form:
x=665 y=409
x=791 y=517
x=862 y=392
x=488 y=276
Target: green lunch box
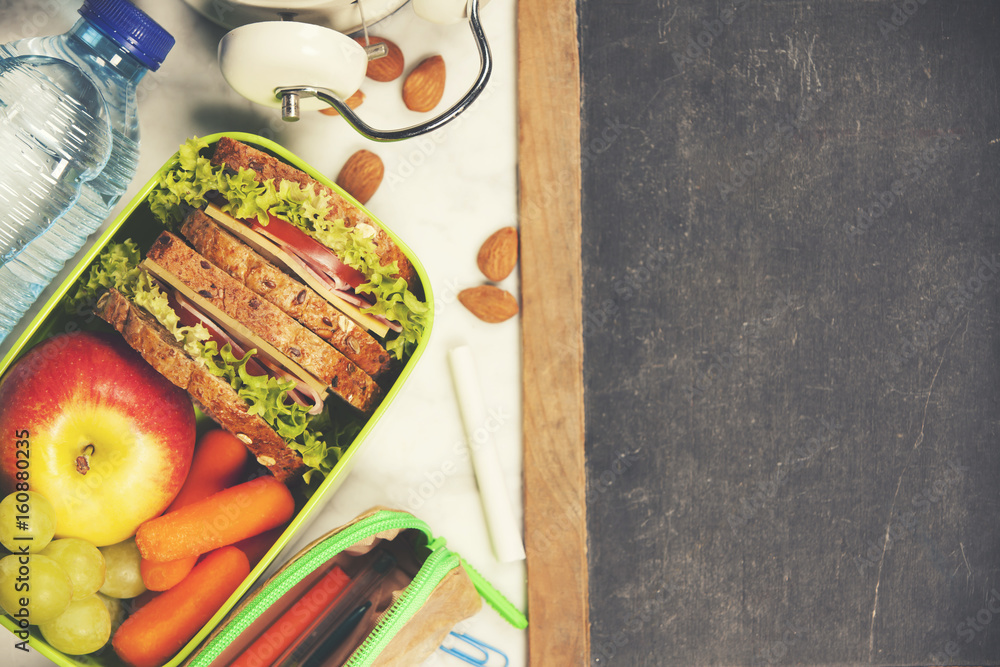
x=138 y=223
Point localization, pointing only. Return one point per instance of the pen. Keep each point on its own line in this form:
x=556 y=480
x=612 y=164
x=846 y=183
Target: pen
x=336 y=638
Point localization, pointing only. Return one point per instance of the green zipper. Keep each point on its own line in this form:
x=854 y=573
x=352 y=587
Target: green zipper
x=497 y=600
x=434 y=569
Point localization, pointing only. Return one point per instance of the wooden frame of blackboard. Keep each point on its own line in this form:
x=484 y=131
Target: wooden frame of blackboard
x=555 y=521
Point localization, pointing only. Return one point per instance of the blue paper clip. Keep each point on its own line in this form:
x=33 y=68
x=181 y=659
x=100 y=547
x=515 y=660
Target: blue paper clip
x=486 y=650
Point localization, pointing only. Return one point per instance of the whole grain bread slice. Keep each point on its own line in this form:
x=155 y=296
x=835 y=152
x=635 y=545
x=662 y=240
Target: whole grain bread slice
x=297 y=300
x=213 y=394
x=266 y=320
x=235 y=155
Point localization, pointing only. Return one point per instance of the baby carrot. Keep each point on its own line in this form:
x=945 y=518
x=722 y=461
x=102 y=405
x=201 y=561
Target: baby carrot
x=154 y=633
x=217 y=464
x=162 y=575
x=223 y=518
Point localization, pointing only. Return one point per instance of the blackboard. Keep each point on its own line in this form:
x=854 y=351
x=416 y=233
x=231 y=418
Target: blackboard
x=791 y=277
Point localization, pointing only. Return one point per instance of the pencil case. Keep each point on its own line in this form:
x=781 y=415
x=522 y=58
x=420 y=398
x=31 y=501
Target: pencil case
x=404 y=616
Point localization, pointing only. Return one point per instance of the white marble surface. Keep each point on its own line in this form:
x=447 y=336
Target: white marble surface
x=443 y=196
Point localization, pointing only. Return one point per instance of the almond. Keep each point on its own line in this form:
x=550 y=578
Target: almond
x=489 y=303
x=424 y=86
x=387 y=68
x=353 y=102
x=498 y=254
x=361 y=175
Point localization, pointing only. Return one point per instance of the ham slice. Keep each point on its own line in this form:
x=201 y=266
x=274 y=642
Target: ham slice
x=320 y=262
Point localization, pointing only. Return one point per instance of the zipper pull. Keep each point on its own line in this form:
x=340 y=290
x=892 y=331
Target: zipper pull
x=501 y=604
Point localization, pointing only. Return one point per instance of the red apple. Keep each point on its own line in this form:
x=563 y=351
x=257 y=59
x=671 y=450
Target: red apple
x=97 y=431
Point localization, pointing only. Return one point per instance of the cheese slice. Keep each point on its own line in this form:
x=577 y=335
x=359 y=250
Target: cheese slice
x=273 y=253
x=238 y=330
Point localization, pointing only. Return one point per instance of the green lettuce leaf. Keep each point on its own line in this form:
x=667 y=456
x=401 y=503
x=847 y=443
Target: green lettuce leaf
x=191 y=176
x=265 y=395
x=118 y=266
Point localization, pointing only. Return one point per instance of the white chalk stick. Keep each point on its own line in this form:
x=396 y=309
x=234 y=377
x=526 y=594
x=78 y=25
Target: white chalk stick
x=504 y=532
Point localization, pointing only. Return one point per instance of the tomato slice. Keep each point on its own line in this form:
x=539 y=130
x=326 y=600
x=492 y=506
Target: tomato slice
x=290 y=237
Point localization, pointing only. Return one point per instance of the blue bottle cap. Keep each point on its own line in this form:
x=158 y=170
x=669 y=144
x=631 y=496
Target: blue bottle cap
x=131 y=28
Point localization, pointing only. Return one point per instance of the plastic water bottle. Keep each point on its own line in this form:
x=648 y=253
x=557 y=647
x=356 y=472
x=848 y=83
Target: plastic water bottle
x=69 y=135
